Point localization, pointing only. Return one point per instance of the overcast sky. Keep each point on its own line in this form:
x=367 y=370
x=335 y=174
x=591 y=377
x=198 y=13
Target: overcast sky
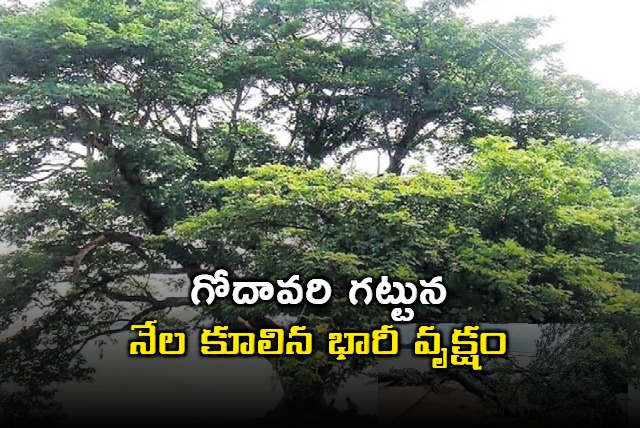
x=599 y=37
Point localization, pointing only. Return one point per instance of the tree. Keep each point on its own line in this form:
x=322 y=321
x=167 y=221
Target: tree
x=518 y=236
x=106 y=122
x=378 y=76
x=112 y=113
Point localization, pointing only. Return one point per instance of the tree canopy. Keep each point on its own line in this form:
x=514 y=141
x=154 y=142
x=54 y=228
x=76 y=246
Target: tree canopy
x=518 y=235
x=158 y=137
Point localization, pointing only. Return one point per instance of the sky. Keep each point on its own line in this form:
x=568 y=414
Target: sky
x=599 y=37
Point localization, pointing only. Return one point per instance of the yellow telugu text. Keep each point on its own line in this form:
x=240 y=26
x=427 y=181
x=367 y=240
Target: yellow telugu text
x=467 y=344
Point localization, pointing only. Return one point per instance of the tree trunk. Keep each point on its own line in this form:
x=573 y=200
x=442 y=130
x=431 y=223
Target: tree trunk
x=303 y=402
x=301 y=399
x=303 y=390
x=395 y=163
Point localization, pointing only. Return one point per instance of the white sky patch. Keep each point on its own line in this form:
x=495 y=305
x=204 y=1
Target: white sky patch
x=599 y=38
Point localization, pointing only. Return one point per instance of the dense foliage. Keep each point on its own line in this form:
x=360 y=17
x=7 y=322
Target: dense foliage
x=518 y=235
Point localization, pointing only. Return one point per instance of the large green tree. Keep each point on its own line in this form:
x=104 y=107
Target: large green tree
x=114 y=113
x=519 y=235
x=361 y=75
